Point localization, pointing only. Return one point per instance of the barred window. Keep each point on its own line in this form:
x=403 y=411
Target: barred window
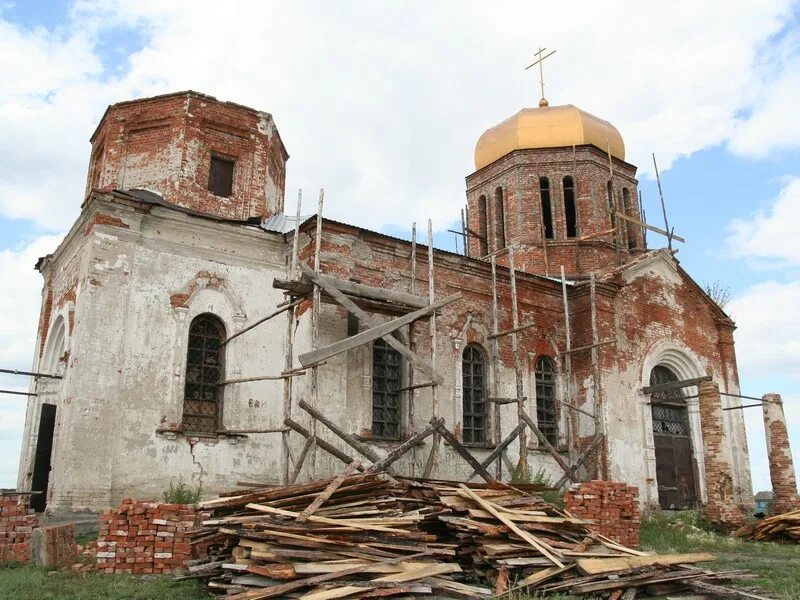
x=473 y=372
x=546 y=415
x=202 y=394
x=386 y=375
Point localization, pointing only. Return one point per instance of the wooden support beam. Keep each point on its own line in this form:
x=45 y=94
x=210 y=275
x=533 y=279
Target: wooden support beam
x=327 y=492
x=419 y=363
x=329 y=448
x=30 y=373
x=589 y=347
x=548 y=446
x=355 y=290
x=581 y=459
x=370 y=335
x=674 y=385
x=505 y=400
x=18 y=393
x=431 y=462
x=346 y=437
x=499 y=449
x=463 y=452
x=283 y=375
x=577 y=409
x=246 y=431
x=651 y=227
x=416 y=386
x=275 y=313
x=492 y=336
x=405 y=447
x=310 y=441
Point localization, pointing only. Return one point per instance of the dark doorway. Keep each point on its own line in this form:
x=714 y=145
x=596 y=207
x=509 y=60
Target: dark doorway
x=673 y=444
x=41 y=463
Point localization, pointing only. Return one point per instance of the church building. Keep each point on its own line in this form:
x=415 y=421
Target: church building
x=556 y=313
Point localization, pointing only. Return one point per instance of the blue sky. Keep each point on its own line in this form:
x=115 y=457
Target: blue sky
x=382 y=105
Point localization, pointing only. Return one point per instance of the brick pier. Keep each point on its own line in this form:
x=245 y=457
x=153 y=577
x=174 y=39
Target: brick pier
x=781 y=466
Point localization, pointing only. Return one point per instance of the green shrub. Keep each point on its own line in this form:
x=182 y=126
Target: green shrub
x=181 y=493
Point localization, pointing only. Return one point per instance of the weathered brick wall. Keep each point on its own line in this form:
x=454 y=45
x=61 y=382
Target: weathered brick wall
x=146 y=537
x=17 y=523
x=165 y=144
x=720 y=508
x=781 y=466
x=54 y=546
x=614 y=508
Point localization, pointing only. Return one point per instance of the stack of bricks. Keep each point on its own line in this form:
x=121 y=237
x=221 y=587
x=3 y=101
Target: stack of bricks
x=146 y=537
x=614 y=508
x=54 y=546
x=17 y=523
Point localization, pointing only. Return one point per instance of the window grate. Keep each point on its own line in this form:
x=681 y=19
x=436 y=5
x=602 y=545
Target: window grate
x=386 y=375
x=203 y=374
x=546 y=414
x=473 y=372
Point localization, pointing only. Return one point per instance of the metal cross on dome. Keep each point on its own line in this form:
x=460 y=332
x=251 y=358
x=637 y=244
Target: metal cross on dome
x=539 y=60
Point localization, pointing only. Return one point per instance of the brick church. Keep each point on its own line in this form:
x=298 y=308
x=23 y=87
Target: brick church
x=182 y=243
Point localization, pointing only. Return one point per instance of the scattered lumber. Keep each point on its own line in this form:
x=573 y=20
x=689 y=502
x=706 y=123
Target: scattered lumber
x=369 y=534
x=777 y=528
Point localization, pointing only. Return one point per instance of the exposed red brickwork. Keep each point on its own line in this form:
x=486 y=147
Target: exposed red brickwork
x=44 y=319
x=518 y=175
x=104 y=219
x=781 y=466
x=614 y=508
x=720 y=508
x=146 y=537
x=54 y=546
x=165 y=144
x=17 y=523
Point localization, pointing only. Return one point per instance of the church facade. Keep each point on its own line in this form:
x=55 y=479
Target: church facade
x=182 y=243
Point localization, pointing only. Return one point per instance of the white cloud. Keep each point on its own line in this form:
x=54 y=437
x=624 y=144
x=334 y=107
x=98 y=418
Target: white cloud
x=770 y=236
x=382 y=103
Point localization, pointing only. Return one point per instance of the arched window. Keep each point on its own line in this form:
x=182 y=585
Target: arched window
x=570 y=216
x=630 y=227
x=610 y=192
x=483 y=229
x=473 y=377
x=204 y=371
x=546 y=415
x=547 y=211
x=499 y=220
x=386 y=376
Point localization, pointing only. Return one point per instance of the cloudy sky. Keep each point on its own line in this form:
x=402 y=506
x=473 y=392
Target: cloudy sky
x=382 y=102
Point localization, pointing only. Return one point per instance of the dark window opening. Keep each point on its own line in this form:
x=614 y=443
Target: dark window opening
x=546 y=415
x=610 y=193
x=499 y=220
x=570 y=215
x=352 y=325
x=220 y=177
x=473 y=373
x=386 y=376
x=202 y=393
x=483 y=229
x=630 y=227
x=547 y=211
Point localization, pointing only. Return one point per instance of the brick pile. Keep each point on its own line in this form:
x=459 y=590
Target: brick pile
x=146 y=537
x=54 y=545
x=614 y=508
x=17 y=523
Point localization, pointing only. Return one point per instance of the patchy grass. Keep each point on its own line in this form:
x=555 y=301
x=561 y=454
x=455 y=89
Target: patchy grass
x=23 y=582
x=776 y=566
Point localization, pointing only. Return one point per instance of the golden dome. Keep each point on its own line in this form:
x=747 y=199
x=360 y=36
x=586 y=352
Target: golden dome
x=547 y=127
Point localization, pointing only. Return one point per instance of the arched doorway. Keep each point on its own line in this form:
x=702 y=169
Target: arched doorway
x=673 y=443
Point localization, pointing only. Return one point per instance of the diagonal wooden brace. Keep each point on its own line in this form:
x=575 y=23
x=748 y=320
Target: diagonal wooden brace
x=463 y=452
x=404 y=447
x=416 y=361
x=499 y=449
x=547 y=445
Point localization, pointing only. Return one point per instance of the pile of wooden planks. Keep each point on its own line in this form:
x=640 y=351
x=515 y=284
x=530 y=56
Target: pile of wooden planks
x=369 y=534
x=777 y=528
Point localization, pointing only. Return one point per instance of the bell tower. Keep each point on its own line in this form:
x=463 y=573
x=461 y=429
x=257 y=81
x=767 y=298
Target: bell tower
x=553 y=182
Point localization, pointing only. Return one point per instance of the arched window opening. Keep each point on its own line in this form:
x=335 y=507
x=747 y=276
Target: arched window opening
x=204 y=371
x=386 y=377
x=547 y=211
x=630 y=227
x=673 y=445
x=610 y=192
x=546 y=415
x=499 y=220
x=473 y=373
x=570 y=215
x=483 y=229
